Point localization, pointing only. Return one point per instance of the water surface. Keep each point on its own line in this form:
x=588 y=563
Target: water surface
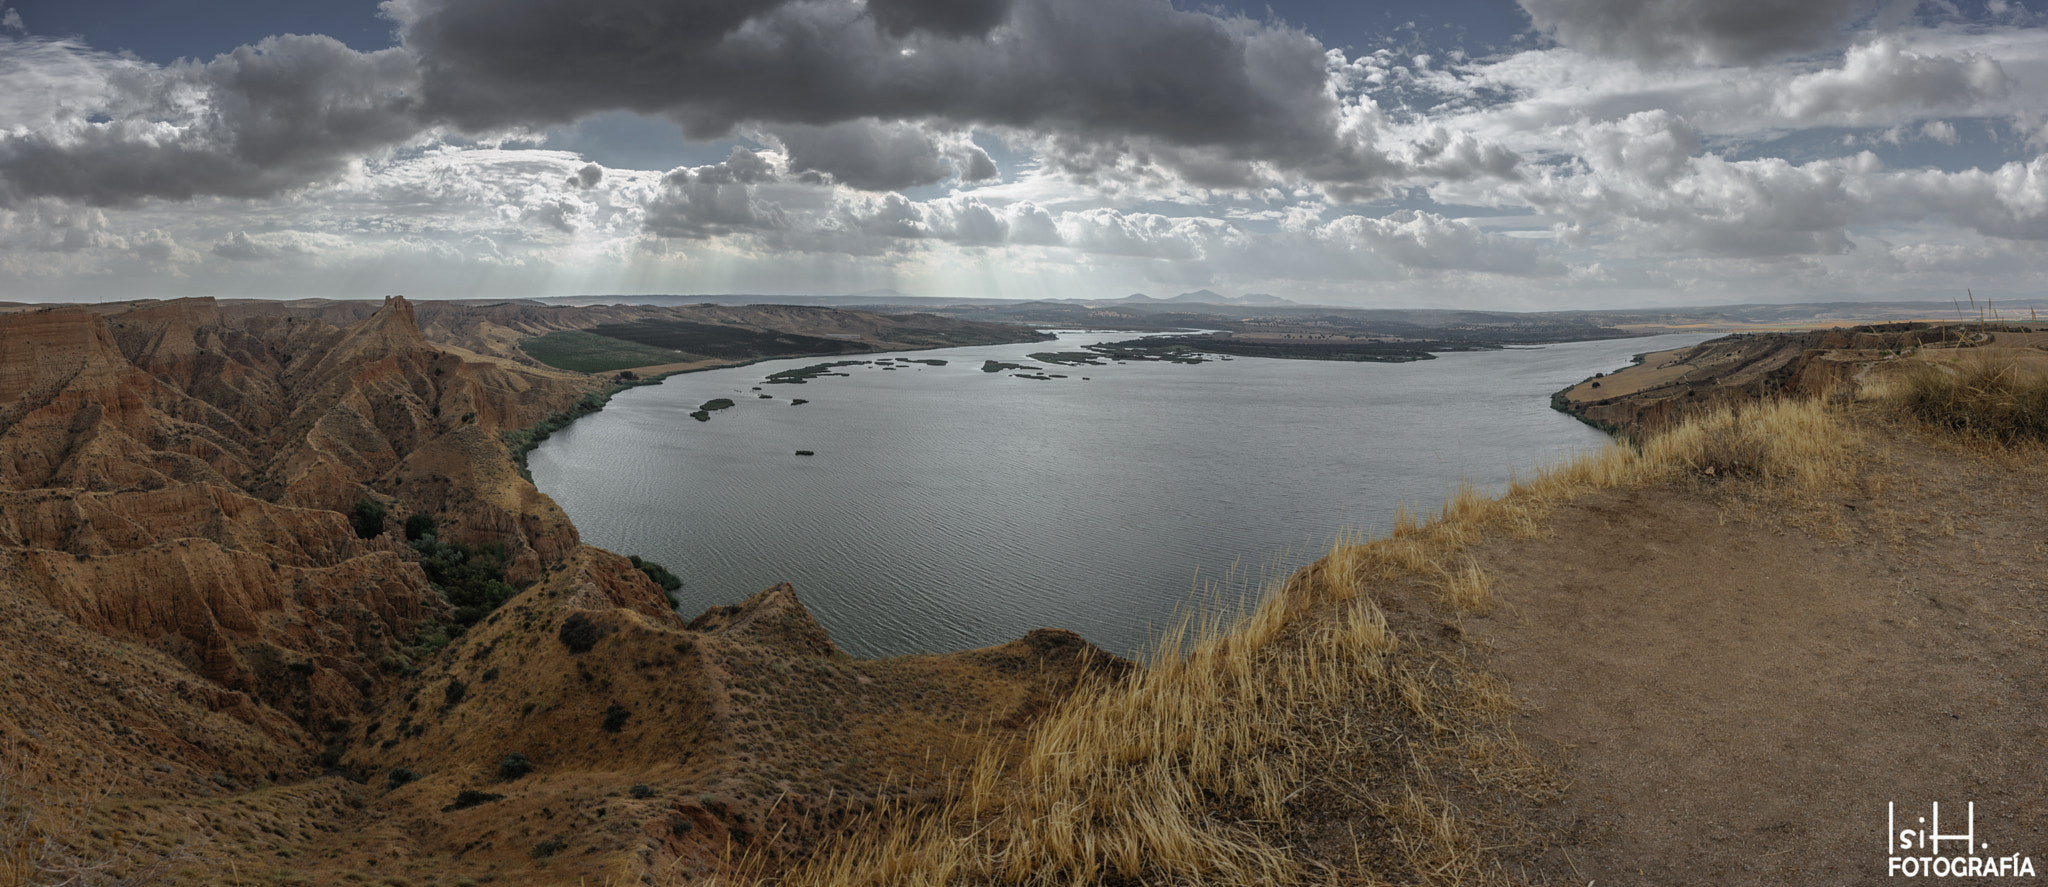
x=948 y=508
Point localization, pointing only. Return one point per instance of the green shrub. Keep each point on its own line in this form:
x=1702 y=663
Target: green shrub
x=472 y=579
x=368 y=518
x=401 y=776
x=640 y=791
x=548 y=847
x=470 y=798
x=514 y=766
x=579 y=633
x=659 y=574
x=418 y=526
x=615 y=718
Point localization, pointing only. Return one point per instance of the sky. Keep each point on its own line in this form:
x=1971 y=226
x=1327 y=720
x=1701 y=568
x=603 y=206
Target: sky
x=1504 y=154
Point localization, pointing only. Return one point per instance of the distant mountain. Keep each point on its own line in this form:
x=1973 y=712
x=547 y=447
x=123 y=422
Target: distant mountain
x=868 y=298
x=1137 y=297
x=1211 y=297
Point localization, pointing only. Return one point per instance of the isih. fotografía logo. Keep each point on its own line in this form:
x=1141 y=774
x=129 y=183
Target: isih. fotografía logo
x=1923 y=850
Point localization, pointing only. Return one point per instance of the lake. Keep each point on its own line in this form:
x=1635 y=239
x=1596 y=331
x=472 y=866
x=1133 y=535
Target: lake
x=947 y=507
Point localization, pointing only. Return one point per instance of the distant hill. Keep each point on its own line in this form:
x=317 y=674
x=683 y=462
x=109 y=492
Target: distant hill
x=1202 y=297
x=1211 y=297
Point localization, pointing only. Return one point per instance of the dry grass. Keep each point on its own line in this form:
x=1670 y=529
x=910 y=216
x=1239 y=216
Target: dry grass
x=1983 y=395
x=1231 y=756
x=1791 y=446
x=50 y=837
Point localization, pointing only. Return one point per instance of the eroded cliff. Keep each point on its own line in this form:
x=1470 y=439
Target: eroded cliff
x=221 y=532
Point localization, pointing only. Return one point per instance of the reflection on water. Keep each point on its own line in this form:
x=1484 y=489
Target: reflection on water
x=948 y=508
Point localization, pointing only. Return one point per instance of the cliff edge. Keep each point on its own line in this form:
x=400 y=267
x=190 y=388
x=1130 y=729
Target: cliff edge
x=274 y=593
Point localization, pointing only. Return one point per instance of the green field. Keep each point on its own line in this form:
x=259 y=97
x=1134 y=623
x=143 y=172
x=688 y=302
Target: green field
x=587 y=352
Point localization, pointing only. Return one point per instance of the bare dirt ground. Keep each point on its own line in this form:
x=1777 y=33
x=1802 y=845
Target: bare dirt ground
x=1735 y=687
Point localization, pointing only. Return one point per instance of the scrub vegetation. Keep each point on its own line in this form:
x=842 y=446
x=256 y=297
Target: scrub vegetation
x=1981 y=395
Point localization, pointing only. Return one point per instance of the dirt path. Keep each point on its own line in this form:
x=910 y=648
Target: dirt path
x=1736 y=700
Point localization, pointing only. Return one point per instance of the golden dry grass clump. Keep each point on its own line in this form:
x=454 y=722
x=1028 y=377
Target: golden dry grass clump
x=1984 y=395
x=1311 y=740
x=1787 y=444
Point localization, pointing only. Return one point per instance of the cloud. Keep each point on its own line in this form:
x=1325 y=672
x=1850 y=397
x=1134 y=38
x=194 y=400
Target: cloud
x=156 y=246
x=280 y=115
x=43 y=81
x=1642 y=182
x=1882 y=75
x=2009 y=202
x=1431 y=242
x=875 y=155
x=1139 y=140
x=1649 y=146
x=715 y=200
x=952 y=18
x=1710 y=32
x=243 y=248
x=1209 y=97
x=963 y=220
x=12 y=21
x=879 y=96
x=51 y=226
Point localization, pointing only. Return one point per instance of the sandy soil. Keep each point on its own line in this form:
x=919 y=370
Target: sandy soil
x=1736 y=689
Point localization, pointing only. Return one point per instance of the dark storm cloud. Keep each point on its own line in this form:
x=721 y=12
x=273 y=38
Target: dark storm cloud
x=954 y=18
x=881 y=156
x=1727 y=32
x=287 y=112
x=876 y=95
x=1232 y=90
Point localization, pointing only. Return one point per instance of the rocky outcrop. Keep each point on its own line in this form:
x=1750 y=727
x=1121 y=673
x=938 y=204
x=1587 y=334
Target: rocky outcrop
x=657 y=747
x=173 y=477
x=772 y=618
x=77 y=414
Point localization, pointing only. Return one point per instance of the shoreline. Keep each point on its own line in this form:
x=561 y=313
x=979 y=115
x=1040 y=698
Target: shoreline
x=724 y=565
x=522 y=441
